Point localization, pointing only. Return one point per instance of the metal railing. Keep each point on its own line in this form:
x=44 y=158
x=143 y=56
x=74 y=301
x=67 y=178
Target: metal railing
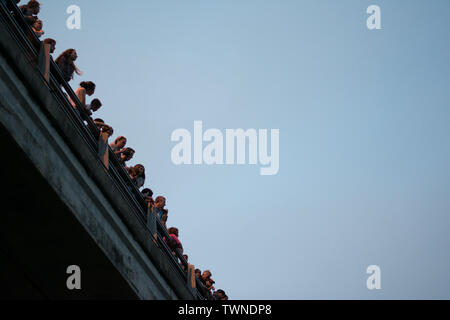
x=31 y=46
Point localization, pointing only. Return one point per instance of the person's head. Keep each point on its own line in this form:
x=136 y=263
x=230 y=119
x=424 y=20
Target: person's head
x=73 y=55
x=127 y=154
x=52 y=44
x=198 y=273
x=68 y=54
x=99 y=121
x=96 y=104
x=34 y=6
x=206 y=274
x=90 y=88
x=147 y=192
x=185 y=256
x=173 y=230
x=220 y=294
x=38 y=25
x=160 y=202
x=120 y=142
x=139 y=169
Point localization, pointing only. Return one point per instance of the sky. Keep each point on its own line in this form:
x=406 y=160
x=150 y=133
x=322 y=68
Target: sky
x=364 y=176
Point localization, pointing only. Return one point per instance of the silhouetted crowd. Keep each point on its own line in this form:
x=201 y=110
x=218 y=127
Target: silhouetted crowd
x=66 y=63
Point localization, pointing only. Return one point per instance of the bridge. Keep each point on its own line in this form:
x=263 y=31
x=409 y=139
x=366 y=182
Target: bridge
x=66 y=199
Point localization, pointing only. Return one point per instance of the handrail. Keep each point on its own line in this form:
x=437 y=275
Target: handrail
x=27 y=39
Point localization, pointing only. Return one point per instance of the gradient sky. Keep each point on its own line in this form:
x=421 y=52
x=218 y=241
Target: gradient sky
x=364 y=124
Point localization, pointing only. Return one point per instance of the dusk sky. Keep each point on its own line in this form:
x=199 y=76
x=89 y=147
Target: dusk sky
x=363 y=118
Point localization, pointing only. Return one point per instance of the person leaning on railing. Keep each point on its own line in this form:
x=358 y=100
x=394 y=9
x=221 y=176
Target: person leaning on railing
x=118 y=144
x=66 y=63
x=201 y=283
x=37 y=28
x=160 y=203
x=94 y=106
x=30 y=10
x=148 y=196
x=207 y=282
x=174 y=243
x=52 y=44
x=87 y=88
x=103 y=127
x=125 y=155
x=137 y=175
x=220 y=295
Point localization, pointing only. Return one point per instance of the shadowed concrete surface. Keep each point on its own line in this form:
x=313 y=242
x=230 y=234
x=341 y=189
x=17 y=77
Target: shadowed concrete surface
x=40 y=238
x=60 y=206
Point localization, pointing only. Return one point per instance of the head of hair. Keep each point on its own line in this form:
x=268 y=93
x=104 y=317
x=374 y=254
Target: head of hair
x=88 y=85
x=33 y=4
x=159 y=200
x=49 y=41
x=136 y=169
x=147 y=192
x=118 y=139
x=173 y=230
x=96 y=104
x=99 y=120
x=208 y=272
x=221 y=292
x=128 y=153
x=66 y=54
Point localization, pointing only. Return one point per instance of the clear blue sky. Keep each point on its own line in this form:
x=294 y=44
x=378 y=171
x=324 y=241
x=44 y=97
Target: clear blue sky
x=364 y=124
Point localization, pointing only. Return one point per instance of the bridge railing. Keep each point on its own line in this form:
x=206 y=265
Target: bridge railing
x=32 y=48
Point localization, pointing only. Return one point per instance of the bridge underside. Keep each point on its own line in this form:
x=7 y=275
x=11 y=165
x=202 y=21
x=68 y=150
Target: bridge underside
x=40 y=238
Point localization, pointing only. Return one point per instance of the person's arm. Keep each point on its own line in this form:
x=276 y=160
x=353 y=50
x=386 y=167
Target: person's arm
x=81 y=94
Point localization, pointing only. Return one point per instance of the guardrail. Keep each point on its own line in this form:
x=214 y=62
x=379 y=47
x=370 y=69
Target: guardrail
x=32 y=46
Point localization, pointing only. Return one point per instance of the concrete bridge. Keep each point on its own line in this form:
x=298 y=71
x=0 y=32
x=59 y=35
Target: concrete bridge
x=66 y=200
